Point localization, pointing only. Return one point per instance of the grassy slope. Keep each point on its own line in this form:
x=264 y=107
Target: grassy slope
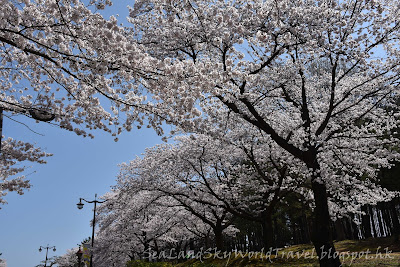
x=370 y=252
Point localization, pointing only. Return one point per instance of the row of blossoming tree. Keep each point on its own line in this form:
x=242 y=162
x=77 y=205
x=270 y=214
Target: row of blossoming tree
x=312 y=84
x=197 y=193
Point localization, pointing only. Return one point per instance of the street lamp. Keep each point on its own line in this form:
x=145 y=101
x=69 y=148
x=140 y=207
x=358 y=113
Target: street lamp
x=80 y=206
x=37 y=113
x=47 y=251
x=79 y=254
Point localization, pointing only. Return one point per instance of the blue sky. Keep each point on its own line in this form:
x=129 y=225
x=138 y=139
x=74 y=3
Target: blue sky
x=80 y=167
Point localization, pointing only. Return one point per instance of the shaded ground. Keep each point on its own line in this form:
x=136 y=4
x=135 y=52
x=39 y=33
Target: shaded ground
x=370 y=252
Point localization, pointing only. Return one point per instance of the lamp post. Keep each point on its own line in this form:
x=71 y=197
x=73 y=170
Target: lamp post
x=79 y=254
x=80 y=206
x=47 y=251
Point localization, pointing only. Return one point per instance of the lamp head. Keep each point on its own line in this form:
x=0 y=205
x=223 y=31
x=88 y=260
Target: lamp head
x=54 y=249
x=40 y=249
x=80 y=204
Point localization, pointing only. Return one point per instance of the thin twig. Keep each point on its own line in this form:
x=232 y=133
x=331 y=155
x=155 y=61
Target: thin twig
x=24 y=125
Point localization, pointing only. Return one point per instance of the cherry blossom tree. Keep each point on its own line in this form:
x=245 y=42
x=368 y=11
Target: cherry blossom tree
x=237 y=175
x=138 y=223
x=254 y=59
x=161 y=171
x=241 y=171
x=58 y=60
x=68 y=259
x=241 y=178
x=12 y=173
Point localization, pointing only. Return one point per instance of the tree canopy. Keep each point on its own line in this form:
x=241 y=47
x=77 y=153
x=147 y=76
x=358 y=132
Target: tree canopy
x=319 y=78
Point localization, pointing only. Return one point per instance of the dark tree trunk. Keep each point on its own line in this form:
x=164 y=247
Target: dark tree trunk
x=207 y=240
x=309 y=222
x=276 y=231
x=387 y=220
x=268 y=236
x=351 y=229
x=295 y=236
x=191 y=244
x=321 y=232
x=366 y=222
x=380 y=221
x=340 y=234
x=354 y=229
x=347 y=228
x=371 y=212
x=305 y=227
x=219 y=242
x=395 y=217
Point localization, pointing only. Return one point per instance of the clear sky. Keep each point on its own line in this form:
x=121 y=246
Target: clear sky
x=80 y=167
